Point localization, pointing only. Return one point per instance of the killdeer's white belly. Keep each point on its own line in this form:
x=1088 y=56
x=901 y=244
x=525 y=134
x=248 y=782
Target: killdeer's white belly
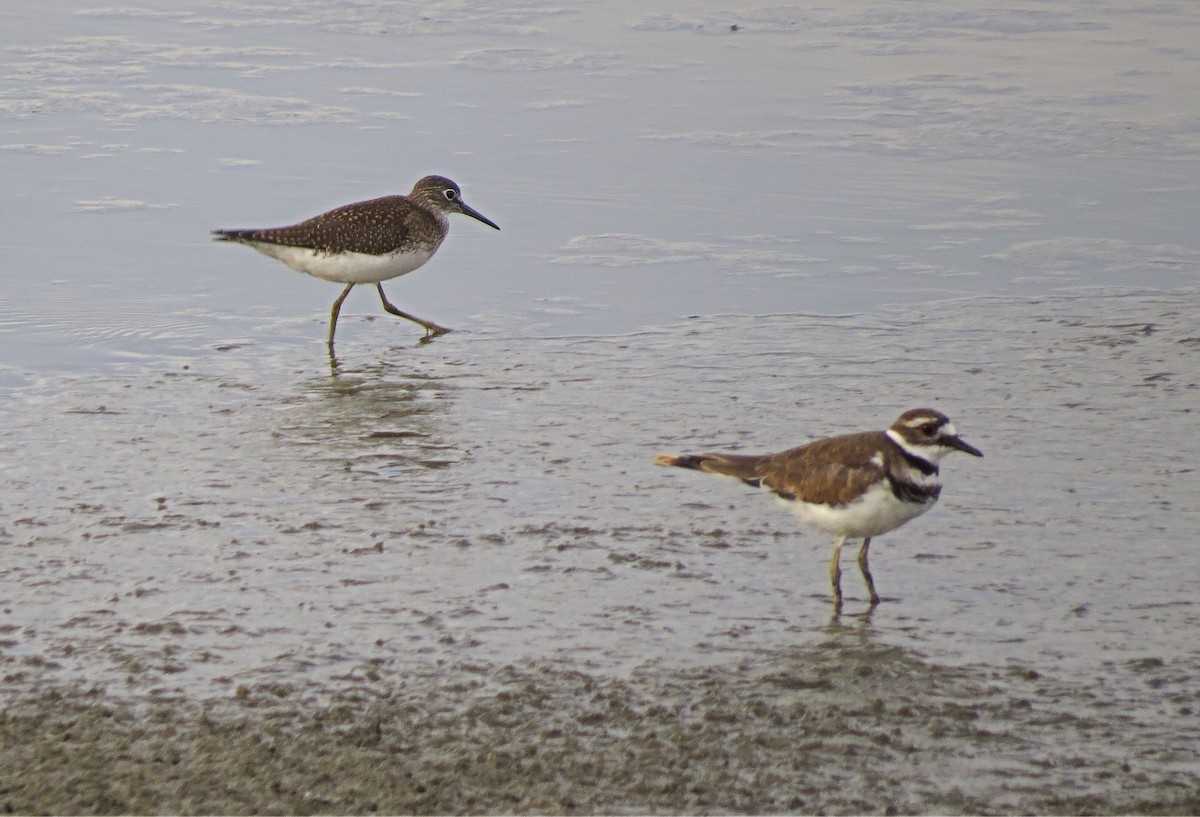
x=873 y=514
x=347 y=267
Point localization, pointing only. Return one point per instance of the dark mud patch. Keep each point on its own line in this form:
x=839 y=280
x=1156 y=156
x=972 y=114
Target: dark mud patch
x=847 y=726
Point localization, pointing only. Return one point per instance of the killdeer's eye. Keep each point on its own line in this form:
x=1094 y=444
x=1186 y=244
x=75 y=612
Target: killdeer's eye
x=450 y=193
x=930 y=429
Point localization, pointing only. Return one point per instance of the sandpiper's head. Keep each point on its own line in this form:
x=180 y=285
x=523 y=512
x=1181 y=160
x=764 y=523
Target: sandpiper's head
x=929 y=434
x=443 y=195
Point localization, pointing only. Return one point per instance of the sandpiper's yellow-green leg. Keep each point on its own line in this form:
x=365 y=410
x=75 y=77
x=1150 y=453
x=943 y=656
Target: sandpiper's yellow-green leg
x=432 y=330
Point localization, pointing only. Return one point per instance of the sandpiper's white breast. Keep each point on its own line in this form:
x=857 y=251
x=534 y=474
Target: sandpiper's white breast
x=347 y=267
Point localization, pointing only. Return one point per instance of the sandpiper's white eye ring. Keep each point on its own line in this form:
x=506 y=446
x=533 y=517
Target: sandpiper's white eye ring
x=450 y=193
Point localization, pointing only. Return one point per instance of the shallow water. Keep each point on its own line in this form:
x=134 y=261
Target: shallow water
x=712 y=238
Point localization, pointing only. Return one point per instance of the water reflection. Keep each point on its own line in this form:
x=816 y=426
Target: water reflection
x=375 y=416
x=336 y=364
x=840 y=622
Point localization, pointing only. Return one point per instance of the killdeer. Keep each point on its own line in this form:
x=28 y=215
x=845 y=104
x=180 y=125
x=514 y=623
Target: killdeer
x=367 y=242
x=851 y=486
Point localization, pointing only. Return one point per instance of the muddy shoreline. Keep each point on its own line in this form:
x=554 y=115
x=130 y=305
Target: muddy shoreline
x=379 y=593
x=842 y=727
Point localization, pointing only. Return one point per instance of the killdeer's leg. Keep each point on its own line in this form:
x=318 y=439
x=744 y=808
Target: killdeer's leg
x=866 y=570
x=333 y=315
x=431 y=329
x=835 y=571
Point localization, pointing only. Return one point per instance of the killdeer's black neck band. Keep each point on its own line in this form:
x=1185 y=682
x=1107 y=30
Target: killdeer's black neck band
x=911 y=492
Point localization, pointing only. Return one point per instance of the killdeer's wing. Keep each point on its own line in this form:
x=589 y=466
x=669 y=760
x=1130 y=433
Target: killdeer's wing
x=832 y=471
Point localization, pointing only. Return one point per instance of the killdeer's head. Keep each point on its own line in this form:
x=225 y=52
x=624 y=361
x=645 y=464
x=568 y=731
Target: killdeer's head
x=928 y=434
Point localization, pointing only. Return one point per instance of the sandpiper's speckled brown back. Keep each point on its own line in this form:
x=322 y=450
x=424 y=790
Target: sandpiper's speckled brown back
x=376 y=227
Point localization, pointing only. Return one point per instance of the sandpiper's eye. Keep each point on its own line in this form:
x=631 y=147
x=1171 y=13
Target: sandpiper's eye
x=450 y=193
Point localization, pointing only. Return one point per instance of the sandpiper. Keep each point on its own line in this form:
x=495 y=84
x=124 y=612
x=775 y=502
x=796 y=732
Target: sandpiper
x=851 y=486
x=367 y=242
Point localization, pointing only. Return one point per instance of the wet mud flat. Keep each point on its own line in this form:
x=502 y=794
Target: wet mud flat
x=460 y=585
x=843 y=726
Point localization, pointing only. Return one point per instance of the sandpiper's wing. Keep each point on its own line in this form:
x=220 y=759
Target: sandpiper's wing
x=375 y=227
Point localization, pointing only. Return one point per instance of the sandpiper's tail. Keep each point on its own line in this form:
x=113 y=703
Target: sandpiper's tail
x=232 y=235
